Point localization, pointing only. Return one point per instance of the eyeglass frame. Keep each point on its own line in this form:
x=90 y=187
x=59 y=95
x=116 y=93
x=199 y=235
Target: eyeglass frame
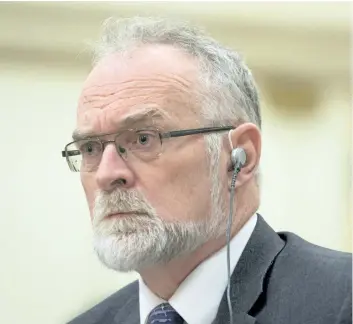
x=177 y=133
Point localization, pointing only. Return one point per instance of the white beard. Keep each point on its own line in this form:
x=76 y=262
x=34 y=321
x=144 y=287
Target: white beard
x=140 y=240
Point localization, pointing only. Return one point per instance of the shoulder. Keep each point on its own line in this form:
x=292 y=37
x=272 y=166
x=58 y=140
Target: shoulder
x=305 y=274
x=314 y=259
x=120 y=303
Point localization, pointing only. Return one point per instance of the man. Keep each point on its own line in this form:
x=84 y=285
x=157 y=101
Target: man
x=158 y=119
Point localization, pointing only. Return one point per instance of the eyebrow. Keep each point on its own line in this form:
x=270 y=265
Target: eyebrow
x=150 y=114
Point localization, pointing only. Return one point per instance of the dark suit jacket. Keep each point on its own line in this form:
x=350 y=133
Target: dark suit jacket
x=279 y=279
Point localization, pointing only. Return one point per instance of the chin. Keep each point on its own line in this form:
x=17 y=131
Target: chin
x=127 y=252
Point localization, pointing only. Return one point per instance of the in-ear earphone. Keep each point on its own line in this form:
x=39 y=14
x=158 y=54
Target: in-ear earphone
x=238 y=158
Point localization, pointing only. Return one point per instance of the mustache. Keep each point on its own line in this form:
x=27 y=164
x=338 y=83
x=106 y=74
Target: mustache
x=115 y=202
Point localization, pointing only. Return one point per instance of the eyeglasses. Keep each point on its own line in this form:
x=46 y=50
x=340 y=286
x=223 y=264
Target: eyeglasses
x=146 y=144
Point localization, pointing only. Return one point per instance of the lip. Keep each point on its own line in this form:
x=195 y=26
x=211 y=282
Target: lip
x=122 y=214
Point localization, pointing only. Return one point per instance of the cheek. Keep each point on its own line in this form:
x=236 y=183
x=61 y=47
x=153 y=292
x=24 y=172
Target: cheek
x=182 y=191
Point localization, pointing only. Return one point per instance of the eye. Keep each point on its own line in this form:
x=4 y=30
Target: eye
x=143 y=139
x=90 y=148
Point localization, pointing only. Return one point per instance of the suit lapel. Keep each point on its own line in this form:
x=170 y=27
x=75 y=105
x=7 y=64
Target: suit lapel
x=130 y=311
x=247 y=281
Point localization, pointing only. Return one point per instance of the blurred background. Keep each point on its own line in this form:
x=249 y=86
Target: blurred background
x=300 y=56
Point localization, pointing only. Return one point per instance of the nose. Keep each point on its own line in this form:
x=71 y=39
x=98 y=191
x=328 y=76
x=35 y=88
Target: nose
x=113 y=172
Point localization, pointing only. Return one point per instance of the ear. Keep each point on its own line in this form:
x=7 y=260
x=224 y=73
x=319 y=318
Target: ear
x=248 y=137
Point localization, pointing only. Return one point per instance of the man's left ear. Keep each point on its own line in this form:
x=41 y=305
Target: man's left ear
x=248 y=137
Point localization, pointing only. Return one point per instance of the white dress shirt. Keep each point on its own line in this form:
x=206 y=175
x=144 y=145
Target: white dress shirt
x=198 y=297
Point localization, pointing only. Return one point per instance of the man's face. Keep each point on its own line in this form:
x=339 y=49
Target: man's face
x=162 y=207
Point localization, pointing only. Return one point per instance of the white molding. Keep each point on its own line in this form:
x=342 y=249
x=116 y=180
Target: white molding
x=303 y=39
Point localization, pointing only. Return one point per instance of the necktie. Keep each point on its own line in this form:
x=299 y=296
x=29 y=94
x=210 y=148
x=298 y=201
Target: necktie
x=164 y=313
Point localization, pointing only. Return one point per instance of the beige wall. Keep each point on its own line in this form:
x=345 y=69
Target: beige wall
x=49 y=271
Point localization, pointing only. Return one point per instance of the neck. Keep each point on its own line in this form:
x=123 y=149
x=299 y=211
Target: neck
x=165 y=279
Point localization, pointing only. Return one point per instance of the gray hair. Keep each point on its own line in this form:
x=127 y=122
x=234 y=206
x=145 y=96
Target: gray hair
x=229 y=94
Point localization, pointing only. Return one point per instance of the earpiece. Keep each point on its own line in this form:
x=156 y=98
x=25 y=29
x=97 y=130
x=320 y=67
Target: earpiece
x=238 y=158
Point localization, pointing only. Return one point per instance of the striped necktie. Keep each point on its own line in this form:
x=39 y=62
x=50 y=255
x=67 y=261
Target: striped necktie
x=164 y=313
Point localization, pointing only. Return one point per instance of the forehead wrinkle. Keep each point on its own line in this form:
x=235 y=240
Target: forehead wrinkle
x=114 y=90
x=143 y=114
x=171 y=84
x=148 y=78
x=176 y=103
